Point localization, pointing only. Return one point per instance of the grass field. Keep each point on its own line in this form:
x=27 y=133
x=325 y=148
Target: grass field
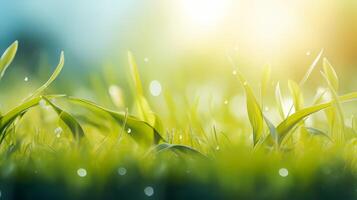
x=283 y=140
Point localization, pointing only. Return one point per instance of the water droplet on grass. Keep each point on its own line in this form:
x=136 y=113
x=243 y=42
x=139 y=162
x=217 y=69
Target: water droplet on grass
x=149 y=191
x=58 y=131
x=82 y=172
x=155 y=88
x=283 y=172
x=26 y=79
x=121 y=171
x=129 y=130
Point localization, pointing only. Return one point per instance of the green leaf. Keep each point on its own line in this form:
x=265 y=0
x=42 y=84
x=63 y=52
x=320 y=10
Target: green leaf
x=311 y=68
x=254 y=111
x=7 y=57
x=296 y=94
x=68 y=120
x=50 y=80
x=279 y=101
x=144 y=110
x=20 y=110
x=285 y=126
x=140 y=131
x=315 y=131
x=176 y=148
x=330 y=74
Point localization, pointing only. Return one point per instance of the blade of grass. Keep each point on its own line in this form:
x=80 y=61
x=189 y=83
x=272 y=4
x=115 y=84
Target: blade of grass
x=140 y=131
x=7 y=57
x=50 y=80
x=285 y=126
x=254 y=111
x=68 y=120
x=279 y=101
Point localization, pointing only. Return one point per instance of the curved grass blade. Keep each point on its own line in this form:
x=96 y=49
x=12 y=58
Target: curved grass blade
x=315 y=131
x=272 y=130
x=140 y=131
x=338 y=124
x=285 y=126
x=68 y=120
x=176 y=148
x=12 y=115
x=254 y=111
x=50 y=80
x=7 y=57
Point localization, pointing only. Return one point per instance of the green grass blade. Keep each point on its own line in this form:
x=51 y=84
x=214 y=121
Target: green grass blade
x=68 y=120
x=338 y=125
x=176 y=148
x=140 y=131
x=50 y=80
x=311 y=68
x=285 y=126
x=265 y=82
x=331 y=74
x=254 y=111
x=7 y=57
x=315 y=131
x=279 y=101
x=144 y=111
x=295 y=91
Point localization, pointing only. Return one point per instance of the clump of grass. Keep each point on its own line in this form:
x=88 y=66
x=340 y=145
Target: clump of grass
x=141 y=146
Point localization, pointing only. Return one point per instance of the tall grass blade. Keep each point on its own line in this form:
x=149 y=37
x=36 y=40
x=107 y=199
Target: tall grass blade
x=254 y=111
x=279 y=101
x=311 y=68
x=50 y=80
x=295 y=91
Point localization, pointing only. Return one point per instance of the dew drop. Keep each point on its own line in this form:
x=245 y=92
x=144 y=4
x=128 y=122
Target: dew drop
x=58 y=131
x=122 y=171
x=129 y=130
x=42 y=103
x=225 y=102
x=180 y=137
x=26 y=78
x=149 y=191
x=283 y=172
x=82 y=172
x=155 y=88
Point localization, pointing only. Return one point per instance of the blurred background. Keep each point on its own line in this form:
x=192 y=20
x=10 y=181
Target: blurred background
x=183 y=44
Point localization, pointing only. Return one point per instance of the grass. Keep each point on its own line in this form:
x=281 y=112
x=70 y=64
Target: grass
x=81 y=149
